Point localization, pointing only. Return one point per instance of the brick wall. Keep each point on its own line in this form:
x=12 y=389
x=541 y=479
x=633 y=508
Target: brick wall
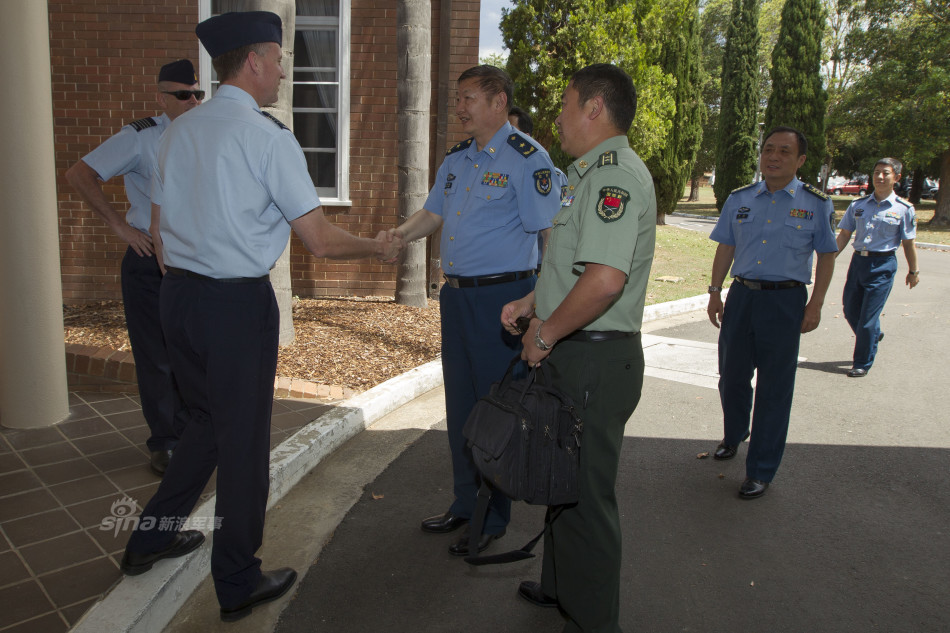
x=105 y=56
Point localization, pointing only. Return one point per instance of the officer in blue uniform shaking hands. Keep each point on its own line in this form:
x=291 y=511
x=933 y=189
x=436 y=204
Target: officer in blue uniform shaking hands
x=880 y=223
x=131 y=153
x=492 y=195
x=768 y=232
x=230 y=183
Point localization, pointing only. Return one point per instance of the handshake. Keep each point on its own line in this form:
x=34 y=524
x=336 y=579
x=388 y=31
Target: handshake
x=390 y=245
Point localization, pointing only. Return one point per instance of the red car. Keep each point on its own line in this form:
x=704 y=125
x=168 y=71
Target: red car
x=850 y=188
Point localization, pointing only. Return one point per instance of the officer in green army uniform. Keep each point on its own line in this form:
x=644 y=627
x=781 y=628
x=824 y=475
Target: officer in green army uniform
x=586 y=312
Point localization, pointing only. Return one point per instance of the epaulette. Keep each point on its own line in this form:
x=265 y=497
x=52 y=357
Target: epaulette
x=143 y=124
x=815 y=190
x=744 y=187
x=903 y=202
x=275 y=120
x=458 y=147
x=521 y=144
x=607 y=158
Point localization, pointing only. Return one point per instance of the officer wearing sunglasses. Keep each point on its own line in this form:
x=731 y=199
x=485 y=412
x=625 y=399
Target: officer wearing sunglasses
x=131 y=153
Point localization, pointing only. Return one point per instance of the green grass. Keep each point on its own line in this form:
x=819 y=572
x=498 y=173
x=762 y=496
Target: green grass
x=925 y=212
x=680 y=253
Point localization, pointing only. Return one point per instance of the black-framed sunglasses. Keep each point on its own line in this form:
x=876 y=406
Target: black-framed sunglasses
x=185 y=95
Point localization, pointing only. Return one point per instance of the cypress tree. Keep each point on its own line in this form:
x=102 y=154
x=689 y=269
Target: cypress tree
x=798 y=98
x=680 y=57
x=738 y=135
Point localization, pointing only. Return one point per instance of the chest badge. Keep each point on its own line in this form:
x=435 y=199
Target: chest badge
x=801 y=214
x=612 y=203
x=494 y=179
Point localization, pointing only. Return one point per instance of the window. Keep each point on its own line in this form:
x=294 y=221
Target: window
x=321 y=104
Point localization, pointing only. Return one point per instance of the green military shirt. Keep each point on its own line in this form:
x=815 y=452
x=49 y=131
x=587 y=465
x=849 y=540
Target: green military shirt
x=608 y=217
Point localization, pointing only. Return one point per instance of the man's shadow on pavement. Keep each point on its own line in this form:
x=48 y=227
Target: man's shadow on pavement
x=829 y=367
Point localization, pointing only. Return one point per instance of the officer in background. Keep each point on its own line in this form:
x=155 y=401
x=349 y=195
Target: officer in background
x=767 y=232
x=492 y=195
x=131 y=153
x=230 y=183
x=882 y=222
x=586 y=330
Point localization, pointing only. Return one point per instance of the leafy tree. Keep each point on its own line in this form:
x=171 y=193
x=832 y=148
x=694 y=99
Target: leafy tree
x=900 y=105
x=549 y=40
x=798 y=97
x=680 y=57
x=736 y=142
x=494 y=59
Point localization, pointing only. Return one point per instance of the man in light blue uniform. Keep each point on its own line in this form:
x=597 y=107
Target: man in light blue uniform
x=767 y=232
x=492 y=195
x=882 y=222
x=230 y=183
x=131 y=153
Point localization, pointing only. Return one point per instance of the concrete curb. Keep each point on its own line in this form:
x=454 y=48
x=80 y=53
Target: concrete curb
x=147 y=603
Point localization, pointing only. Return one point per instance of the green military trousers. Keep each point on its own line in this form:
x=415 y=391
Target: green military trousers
x=582 y=552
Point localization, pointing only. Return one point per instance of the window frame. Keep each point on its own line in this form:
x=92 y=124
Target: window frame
x=328 y=197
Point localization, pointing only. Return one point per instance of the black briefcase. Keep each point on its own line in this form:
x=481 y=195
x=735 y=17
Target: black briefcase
x=525 y=438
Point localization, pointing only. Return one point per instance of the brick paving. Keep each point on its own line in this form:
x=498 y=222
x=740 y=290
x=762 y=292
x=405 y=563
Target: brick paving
x=58 y=483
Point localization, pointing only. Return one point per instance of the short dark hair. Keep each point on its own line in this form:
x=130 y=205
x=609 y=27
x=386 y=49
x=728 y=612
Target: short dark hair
x=615 y=86
x=229 y=64
x=491 y=79
x=525 y=124
x=783 y=129
x=893 y=163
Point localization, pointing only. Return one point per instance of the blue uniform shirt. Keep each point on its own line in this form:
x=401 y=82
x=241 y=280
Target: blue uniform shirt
x=131 y=153
x=228 y=180
x=492 y=203
x=775 y=234
x=880 y=226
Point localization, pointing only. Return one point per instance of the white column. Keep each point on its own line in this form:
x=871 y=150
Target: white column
x=33 y=388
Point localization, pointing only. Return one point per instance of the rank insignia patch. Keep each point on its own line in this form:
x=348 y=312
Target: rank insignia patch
x=801 y=214
x=542 y=181
x=742 y=213
x=612 y=203
x=494 y=179
x=448 y=181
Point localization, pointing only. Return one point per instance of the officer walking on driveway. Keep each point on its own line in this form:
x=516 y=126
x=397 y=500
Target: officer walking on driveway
x=131 y=153
x=882 y=222
x=492 y=195
x=586 y=329
x=767 y=232
x=230 y=183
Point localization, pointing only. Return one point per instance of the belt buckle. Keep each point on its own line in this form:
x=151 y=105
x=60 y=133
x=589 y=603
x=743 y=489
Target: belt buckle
x=864 y=253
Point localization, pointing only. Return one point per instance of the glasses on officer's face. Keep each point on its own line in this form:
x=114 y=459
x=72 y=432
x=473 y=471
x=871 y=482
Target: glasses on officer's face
x=185 y=95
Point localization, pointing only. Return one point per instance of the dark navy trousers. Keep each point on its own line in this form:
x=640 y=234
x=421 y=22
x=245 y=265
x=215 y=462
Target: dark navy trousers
x=222 y=341
x=162 y=406
x=761 y=331
x=476 y=351
x=866 y=290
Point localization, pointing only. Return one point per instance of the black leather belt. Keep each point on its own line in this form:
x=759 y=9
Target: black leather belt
x=181 y=272
x=591 y=336
x=487 y=280
x=875 y=253
x=757 y=284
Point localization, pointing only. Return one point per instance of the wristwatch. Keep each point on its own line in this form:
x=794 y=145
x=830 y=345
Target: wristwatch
x=712 y=289
x=540 y=341
x=915 y=272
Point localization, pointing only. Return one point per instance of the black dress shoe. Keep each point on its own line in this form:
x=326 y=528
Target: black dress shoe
x=159 y=461
x=185 y=542
x=880 y=336
x=273 y=585
x=460 y=547
x=531 y=591
x=443 y=523
x=752 y=488
x=857 y=373
x=727 y=451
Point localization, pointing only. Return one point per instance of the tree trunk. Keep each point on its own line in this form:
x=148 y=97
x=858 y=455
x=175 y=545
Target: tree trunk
x=916 y=186
x=693 y=189
x=280 y=275
x=414 y=63
x=942 y=212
